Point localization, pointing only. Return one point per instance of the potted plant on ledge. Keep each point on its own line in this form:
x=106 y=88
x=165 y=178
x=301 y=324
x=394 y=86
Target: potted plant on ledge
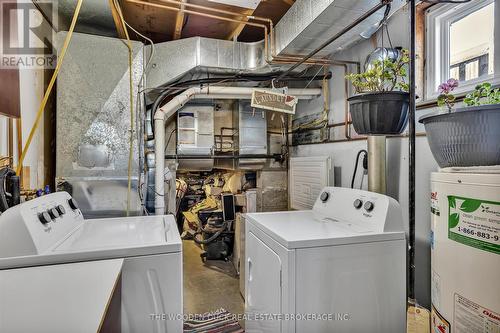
x=466 y=136
x=380 y=106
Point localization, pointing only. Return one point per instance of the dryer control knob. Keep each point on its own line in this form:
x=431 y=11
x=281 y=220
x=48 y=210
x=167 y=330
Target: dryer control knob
x=44 y=217
x=369 y=206
x=324 y=196
x=53 y=213
x=358 y=203
x=73 y=204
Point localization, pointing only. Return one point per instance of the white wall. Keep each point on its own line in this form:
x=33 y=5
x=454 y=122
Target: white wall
x=344 y=153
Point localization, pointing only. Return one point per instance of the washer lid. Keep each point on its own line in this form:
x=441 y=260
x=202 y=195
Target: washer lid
x=302 y=229
x=132 y=233
x=108 y=239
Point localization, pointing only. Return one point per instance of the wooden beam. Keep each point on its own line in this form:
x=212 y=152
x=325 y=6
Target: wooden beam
x=118 y=23
x=239 y=28
x=179 y=21
x=289 y=2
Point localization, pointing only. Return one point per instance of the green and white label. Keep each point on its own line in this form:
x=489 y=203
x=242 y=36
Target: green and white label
x=474 y=222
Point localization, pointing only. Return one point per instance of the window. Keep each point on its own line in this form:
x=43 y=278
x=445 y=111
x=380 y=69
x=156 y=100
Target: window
x=460 y=44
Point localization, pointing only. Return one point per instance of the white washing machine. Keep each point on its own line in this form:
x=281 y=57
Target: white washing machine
x=51 y=230
x=340 y=267
x=465 y=250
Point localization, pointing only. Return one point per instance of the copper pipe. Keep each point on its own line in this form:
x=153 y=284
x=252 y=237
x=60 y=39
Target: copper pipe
x=347 y=121
x=216 y=10
x=360 y=138
x=250 y=17
x=187 y=11
x=270 y=58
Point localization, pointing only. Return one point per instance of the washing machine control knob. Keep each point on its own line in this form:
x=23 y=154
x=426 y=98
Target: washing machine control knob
x=324 y=196
x=369 y=206
x=358 y=203
x=61 y=210
x=73 y=204
x=53 y=213
x=44 y=217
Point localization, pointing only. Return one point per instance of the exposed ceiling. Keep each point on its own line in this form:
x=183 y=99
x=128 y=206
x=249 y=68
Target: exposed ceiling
x=162 y=24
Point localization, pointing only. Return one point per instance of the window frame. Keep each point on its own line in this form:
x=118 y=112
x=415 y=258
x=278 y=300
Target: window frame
x=437 y=21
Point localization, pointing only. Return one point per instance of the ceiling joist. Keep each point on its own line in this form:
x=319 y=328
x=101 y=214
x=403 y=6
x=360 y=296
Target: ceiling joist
x=239 y=28
x=179 y=21
x=118 y=23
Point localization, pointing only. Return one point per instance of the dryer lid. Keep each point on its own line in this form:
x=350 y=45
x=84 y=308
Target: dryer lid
x=302 y=229
x=123 y=233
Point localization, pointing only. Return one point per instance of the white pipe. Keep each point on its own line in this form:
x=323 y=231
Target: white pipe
x=169 y=109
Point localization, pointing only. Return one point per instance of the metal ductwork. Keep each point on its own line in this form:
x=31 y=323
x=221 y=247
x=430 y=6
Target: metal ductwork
x=175 y=59
x=251 y=139
x=298 y=30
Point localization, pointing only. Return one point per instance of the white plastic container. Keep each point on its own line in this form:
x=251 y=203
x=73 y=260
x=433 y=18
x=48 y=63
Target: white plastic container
x=465 y=251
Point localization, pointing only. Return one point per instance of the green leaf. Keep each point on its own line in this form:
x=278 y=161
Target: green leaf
x=470 y=205
x=451 y=201
x=453 y=220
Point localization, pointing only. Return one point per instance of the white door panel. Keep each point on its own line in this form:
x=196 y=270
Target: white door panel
x=263 y=286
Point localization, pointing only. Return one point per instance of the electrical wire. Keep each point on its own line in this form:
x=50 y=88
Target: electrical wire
x=152 y=54
x=362 y=151
x=138 y=124
x=322 y=122
x=41 y=108
x=131 y=92
x=169 y=137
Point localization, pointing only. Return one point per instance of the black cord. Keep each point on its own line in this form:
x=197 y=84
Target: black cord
x=365 y=164
x=212 y=238
x=169 y=137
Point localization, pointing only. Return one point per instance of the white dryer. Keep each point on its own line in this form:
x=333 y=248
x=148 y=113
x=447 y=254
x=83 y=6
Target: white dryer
x=340 y=267
x=51 y=230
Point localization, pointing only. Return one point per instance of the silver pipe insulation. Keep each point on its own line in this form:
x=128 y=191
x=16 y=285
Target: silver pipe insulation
x=376 y=164
x=169 y=109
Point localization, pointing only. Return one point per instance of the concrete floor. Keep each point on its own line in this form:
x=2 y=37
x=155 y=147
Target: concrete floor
x=209 y=286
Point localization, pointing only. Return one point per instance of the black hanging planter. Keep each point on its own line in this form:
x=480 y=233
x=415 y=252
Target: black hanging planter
x=380 y=113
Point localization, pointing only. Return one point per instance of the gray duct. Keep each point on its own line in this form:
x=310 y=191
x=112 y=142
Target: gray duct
x=308 y=23
x=174 y=59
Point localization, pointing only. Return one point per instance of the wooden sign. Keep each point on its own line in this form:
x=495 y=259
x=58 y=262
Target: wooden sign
x=270 y=100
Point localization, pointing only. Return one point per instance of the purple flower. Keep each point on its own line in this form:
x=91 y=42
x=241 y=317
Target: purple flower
x=443 y=88
x=448 y=86
x=452 y=83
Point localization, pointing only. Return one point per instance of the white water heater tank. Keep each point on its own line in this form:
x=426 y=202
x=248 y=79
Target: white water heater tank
x=465 y=250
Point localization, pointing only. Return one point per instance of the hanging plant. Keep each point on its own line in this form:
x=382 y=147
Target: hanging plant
x=383 y=75
x=380 y=106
